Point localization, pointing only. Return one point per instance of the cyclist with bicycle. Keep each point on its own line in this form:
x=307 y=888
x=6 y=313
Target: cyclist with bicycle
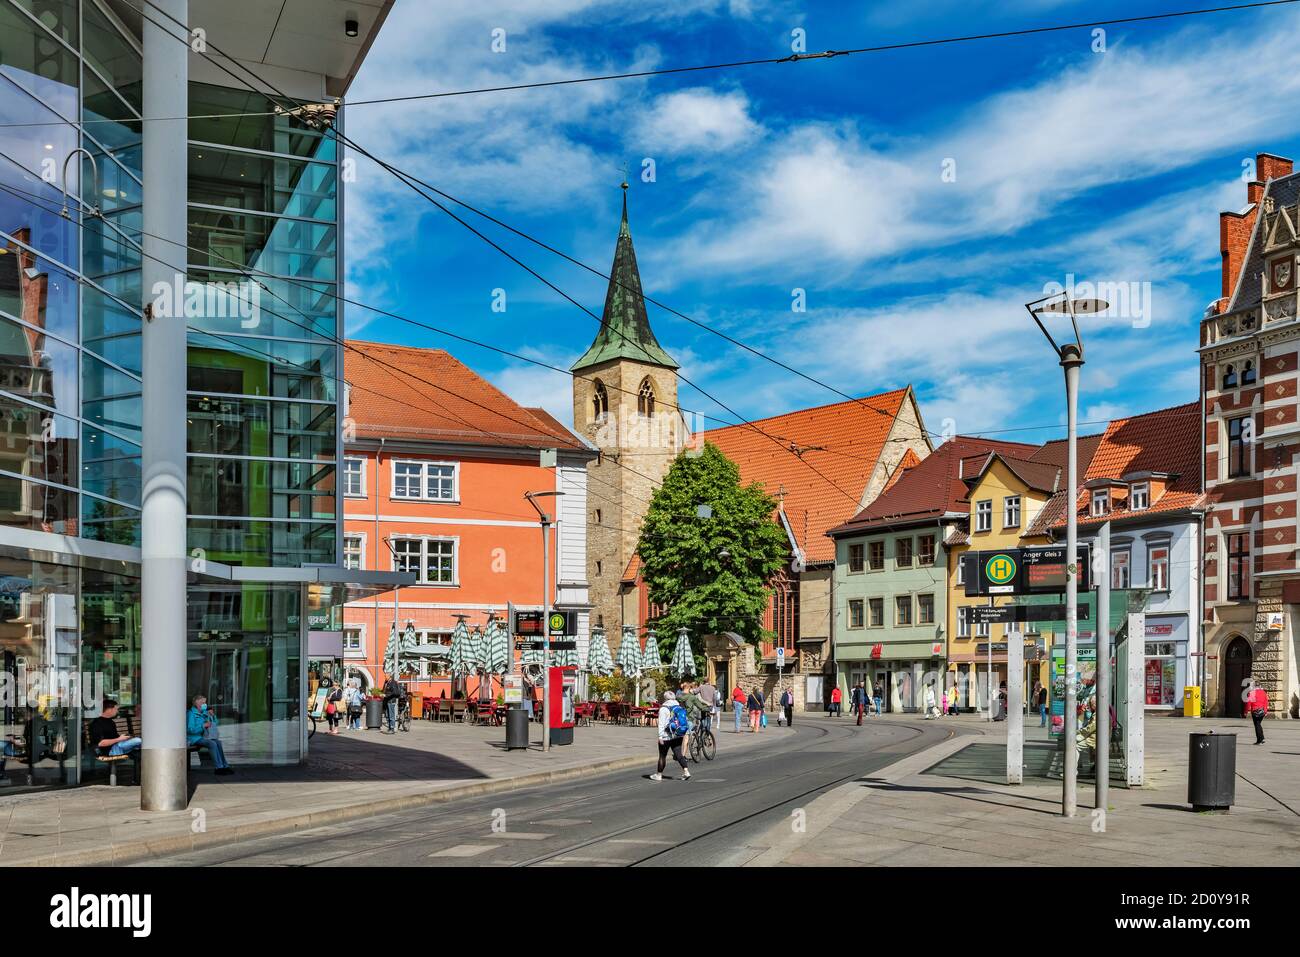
x=393 y=695
x=700 y=738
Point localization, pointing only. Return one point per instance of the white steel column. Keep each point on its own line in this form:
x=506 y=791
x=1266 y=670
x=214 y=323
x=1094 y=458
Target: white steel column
x=163 y=525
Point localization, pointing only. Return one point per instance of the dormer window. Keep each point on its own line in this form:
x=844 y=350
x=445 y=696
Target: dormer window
x=1230 y=376
x=1139 y=496
x=1101 y=501
x=1248 y=373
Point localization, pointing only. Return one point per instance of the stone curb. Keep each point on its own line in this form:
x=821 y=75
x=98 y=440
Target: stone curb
x=141 y=850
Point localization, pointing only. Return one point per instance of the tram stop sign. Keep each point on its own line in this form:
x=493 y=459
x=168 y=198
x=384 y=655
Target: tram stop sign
x=1024 y=571
x=562 y=623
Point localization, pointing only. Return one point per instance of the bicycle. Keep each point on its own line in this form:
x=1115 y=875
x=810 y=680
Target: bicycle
x=702 y=743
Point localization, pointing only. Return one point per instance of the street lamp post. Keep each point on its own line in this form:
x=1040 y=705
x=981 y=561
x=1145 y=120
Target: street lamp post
x=545 y=519
x=1070 y=355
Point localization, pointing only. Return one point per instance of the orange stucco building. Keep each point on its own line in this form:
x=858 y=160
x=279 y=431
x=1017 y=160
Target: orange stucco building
x=437 y=461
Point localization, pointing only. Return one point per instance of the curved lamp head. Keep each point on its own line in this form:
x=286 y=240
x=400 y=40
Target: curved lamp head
x=1059 y=304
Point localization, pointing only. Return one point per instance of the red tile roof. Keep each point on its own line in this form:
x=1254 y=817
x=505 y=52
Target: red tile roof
x=932 y=488
x=1167 y=440
x=401 y=392
x=842 y=442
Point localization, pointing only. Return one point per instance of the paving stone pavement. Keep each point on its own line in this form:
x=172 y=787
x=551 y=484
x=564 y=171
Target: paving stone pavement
x=350 y=775
x=910 y=814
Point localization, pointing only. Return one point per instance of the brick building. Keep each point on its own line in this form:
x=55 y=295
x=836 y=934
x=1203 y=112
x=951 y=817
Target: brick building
x=1249 y=343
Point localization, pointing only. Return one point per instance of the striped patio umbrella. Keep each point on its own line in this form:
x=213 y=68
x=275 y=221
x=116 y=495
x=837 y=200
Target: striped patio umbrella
x=498 y=648
x=476 y=650
x=683 y=660
x=567 y=658
x=629 y=652
x=598 y=660
x=651 y=659
x=533 y=656
x=461 y=654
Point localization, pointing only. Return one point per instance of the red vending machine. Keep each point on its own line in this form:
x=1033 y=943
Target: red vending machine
x=564 y=686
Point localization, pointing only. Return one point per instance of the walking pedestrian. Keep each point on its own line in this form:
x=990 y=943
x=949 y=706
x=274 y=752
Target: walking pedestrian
x=1257 y=708
x=1042 y=706
x=930 y=706
x=333 y=707
x=859 y=700
x=673 y=726
x=943 y=705
x=737 y=704
x=787 y=703
x=392 y=693
x=878 y=695
x=755 y=704
x=709 y=695
x=835 y=701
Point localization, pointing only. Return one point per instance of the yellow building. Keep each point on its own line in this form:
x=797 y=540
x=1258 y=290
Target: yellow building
x=1007 y=496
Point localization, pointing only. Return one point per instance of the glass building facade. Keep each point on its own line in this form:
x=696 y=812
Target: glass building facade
x=263 y=392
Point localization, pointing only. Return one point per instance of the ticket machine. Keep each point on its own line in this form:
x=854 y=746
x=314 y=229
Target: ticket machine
x=564 y=688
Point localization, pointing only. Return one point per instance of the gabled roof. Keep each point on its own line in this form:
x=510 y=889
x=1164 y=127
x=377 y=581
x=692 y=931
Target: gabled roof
x=1284 y=191
x=931 y=489
x=1039 y=476
x=1057 y=451
x=625 y=331
x=1167 y=440
x=427 y=395
x=822 y=463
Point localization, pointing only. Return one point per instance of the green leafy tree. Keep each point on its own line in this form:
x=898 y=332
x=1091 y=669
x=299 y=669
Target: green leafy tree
x=710 y=574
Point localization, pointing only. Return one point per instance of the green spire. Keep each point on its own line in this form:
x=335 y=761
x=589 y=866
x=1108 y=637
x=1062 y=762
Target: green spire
x=625 y=329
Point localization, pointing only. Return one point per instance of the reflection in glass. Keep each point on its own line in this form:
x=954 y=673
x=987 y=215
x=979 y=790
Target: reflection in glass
x=40 y=508
x=289 y=308
x=110 y=647
x=38 y=64
x=39 y=293
x=262 y=183
x=282 y=247
x=271 y=133
x=106 y=521
x=58 y=16
x=111 y=398
x=115 y=59
x=243 y=654
x=40 y=717
x=37 y=368
x=38 y=444
x=254 y=488
x=234 y=426
x=110 y=466
x=263 y=543
x=248 y=366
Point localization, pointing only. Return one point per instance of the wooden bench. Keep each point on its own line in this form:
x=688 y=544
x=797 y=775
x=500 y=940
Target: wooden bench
x=124 y=723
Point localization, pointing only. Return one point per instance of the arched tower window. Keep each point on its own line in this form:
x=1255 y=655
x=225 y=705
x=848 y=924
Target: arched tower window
x=1248 y=373
x=1230 y=377
x=645 y=399
x=599 y=401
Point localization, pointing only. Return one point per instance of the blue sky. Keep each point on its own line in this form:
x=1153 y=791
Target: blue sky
x=825 y=176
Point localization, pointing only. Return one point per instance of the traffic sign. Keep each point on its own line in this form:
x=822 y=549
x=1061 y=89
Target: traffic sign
x=1023 y=571
x=563 y=622
x=521 y=645
x=1004 y=614
x=780 y=657
x=1000 y=571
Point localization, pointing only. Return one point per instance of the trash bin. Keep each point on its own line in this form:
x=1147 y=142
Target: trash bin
x=516 y=729
x=1192 y=701
x=374 y=712
x=1211 y=771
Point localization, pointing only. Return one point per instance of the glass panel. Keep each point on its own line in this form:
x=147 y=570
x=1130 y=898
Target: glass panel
x=264 y=183
x=109 y=522
x=251 y=427
x=115 y=59
x=38 y=63
x=261 y=489
x=283 y=247
x=289 y=308
x=248 y=366
x=108 y=119
x=275 y=134
x=243 y=655
x=110 y=650
x=112 y=398
x=59 y=16
x=34 y=223
x=37 y=444
x=110 y=466
x=39 y=727
x=107 y=250
x=37 y=368
x=264 y=543
x=42 y=508
x=38 y=292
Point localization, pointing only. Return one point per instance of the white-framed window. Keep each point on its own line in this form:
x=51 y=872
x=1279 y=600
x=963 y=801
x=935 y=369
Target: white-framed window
x=354 y=551
x=1100 y=501
x=1120 y=571
x=981 y=629
x=415 y=480
x=1158 y=567
x=963 y=622
x=984 y=515
x=354 y=477
x=961 y=569
x=433 y=560
x=902 y=610
x=354 y=641
x=1011 y=511
x=1139 y=496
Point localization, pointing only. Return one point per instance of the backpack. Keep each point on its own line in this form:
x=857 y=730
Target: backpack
x=678 y=724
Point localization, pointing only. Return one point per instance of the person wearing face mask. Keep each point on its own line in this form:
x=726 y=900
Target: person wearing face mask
x=201 y=729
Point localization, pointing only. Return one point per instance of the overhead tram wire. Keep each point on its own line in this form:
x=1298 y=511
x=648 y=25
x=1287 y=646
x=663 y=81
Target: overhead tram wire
x=736 y=64
x=856 y=499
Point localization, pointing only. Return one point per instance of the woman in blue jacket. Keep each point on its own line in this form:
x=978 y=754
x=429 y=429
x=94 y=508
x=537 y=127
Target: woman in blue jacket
x=199 y=725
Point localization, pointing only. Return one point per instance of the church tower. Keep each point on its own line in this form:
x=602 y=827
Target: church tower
x=625 y=404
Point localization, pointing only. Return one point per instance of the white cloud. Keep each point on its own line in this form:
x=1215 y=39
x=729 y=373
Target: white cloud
x=697 y=118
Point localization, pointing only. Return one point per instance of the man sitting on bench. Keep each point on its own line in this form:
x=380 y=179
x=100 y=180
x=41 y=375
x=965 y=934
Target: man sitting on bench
x=105 y=737
x=200 y=729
